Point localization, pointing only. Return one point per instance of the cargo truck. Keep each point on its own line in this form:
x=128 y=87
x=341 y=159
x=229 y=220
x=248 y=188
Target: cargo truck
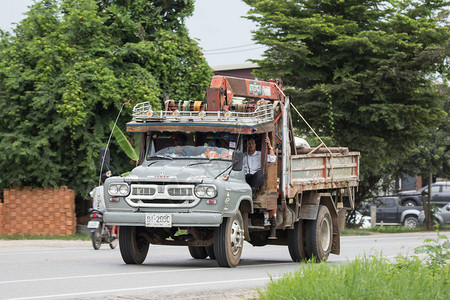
x=189 y=187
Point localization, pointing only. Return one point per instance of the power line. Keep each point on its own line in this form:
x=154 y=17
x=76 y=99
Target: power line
x=227 y=48
x=226 y=52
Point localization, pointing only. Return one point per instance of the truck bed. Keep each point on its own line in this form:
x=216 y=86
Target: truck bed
x=321 y=171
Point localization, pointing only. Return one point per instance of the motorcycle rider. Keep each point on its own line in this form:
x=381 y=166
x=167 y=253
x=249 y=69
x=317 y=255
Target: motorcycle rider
x=98 y=202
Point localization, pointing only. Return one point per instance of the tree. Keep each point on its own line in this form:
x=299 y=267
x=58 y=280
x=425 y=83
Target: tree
x=67 y=69
x=361 y=72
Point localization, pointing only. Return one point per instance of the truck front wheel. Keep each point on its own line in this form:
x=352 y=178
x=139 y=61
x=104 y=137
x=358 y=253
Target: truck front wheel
x=133 y=244
x=229 y=240
x=319 y=235
x=296 y=241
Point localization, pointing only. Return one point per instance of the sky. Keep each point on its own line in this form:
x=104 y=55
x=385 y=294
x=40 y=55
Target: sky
x=218 y=26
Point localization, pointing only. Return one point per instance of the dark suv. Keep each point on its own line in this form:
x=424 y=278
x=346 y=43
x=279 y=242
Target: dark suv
x=389 y=212
x=440 y=192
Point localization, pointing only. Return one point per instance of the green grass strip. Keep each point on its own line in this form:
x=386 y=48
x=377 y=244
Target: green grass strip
x=364 y=278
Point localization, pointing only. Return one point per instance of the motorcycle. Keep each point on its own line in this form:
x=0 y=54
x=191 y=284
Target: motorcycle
x=100 y=232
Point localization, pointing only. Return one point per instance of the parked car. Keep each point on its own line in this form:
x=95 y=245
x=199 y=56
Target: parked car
x=440 y=216
x=390 y=212
x=440 y=192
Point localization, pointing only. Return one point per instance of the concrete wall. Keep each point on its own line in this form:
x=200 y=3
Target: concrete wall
x=34 y=211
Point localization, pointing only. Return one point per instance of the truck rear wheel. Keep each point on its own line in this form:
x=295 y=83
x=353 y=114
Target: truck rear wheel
x=229 y=241
x=210 y=251
x=198 y=252
x=296 y=242
x=133 y=244
x=319 y=235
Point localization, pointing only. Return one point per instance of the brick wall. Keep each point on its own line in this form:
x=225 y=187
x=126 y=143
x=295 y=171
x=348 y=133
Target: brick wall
x=34 y=211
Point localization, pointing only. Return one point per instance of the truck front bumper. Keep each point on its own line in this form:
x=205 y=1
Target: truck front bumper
x=178 y=219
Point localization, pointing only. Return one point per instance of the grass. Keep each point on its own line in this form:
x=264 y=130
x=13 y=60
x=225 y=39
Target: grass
x=72 y=237
x=364 y=278
x=386 y=229
x=371 y=277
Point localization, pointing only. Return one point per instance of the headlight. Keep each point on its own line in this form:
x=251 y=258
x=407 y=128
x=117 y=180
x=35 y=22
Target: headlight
x=211 y=191
x=112 y=189
x=200 y=191
x=205 y=191
x=123 y=190
x=120 y=189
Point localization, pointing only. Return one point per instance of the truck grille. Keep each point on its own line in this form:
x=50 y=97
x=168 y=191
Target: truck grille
x=179 y=191
x=143 y=191
x=153 y=195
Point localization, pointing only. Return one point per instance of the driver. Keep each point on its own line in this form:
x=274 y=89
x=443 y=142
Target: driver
x=252 y=163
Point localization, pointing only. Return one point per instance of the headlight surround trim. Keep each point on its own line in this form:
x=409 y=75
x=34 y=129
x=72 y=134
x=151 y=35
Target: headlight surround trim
x=119 y=189
x=205 y=191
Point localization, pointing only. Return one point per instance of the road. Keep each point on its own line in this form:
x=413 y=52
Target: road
x=73 y=270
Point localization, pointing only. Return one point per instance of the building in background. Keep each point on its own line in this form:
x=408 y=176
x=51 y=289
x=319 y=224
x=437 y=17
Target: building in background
x=243 y=70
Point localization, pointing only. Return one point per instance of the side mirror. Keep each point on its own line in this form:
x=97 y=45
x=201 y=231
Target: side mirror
x=104 y=158
x=238 y=161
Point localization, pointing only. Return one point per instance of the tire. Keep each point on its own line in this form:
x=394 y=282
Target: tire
x=319 y=235
x=133 y=245
x=409 y=202
x=229 y=241
x=113 y=243
x=198 y=252
x=296 y=242
x=210 y=251
x=96 y=239
x=411 y=222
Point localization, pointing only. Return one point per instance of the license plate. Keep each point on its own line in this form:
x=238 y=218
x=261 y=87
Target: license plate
x=93 y=224
x=158 y=220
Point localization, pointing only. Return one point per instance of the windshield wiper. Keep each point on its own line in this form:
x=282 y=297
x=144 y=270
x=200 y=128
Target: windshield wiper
x=228 y=168
x=160 y=156
x=199 y=163
x=152 y=163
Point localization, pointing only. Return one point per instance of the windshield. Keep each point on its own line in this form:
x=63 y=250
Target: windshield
x=192 y=152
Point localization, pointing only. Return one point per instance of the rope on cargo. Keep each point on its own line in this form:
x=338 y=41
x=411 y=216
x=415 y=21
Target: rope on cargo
x=322 y=142
x=304 y=120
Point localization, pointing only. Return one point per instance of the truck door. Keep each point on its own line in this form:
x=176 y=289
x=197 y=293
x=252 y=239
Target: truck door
x=440 y=194
x=387 y=210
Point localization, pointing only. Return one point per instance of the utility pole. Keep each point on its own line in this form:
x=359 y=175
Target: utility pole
x=430 y=181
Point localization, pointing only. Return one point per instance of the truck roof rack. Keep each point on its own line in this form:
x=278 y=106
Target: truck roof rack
x=143 y=113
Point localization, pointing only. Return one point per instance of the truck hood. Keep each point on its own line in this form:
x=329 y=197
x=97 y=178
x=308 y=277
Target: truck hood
x=194 y=171
x=410 y=192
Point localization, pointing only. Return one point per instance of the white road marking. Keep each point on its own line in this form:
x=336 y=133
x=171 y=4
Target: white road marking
x=146 y=288
x=137 y=273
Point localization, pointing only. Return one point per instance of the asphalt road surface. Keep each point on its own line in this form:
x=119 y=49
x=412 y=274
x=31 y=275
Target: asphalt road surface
x=74 y=270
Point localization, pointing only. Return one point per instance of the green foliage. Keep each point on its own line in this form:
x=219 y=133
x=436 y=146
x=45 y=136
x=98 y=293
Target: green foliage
x=123 y=142
x=393 y=229
x=362 y=73
x=363 y=278
x=432 y=155
x=65 y=72
x=438 y=250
